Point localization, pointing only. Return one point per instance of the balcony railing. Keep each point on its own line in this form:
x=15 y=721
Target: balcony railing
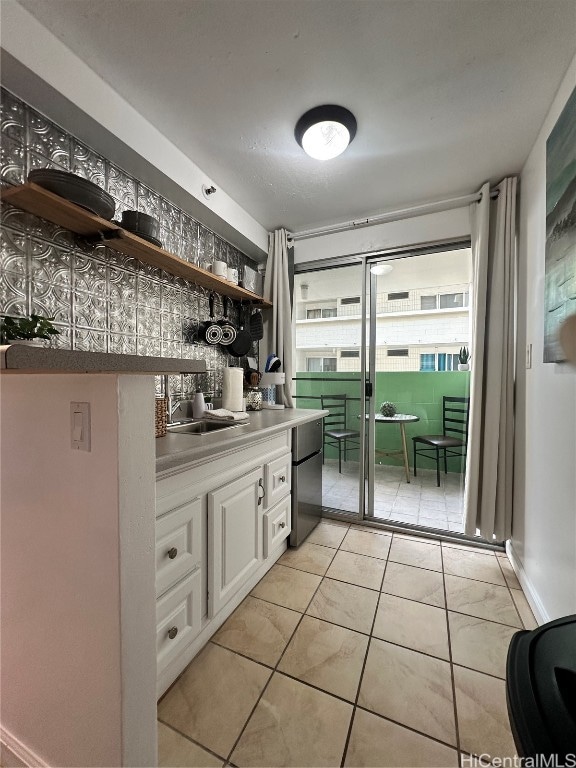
x=414 y=392
x=426 y=299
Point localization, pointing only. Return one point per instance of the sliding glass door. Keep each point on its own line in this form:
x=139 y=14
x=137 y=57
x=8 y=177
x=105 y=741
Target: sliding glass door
x=418 y=323
x=377 y=344
x=330 y=333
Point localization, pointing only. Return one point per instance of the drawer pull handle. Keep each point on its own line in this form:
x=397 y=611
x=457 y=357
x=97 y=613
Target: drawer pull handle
x=172 y=553
x=172 y=632
x=261 y=488
x=282 y=525
x=283 y=479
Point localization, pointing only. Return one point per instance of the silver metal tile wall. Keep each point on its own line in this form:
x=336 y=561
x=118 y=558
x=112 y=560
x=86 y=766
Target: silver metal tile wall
x=101 y=300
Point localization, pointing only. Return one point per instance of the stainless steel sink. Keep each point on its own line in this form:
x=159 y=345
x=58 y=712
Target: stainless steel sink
x=200 y=427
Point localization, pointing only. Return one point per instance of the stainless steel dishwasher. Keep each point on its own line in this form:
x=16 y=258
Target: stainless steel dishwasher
x=306 y=480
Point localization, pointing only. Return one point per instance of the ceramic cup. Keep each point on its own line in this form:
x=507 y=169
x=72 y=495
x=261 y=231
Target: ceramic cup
x=207 y=265
x=220 y=268
x=233 y=275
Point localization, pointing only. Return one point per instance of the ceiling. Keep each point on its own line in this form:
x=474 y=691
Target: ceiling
x=447 y=93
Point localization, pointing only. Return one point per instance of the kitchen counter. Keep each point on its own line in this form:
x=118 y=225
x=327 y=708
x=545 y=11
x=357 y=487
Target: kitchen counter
x=22 y=358
x=178 y=451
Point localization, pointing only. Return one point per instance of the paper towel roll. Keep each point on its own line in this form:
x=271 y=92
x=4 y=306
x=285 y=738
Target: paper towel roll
x=233 y=389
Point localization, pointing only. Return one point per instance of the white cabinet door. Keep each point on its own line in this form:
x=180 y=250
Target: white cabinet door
x=234 y=536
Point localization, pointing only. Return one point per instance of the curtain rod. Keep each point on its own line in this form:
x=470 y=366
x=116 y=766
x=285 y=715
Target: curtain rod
x=396 y=215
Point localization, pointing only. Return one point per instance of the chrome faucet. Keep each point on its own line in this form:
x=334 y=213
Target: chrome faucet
x=171 y=405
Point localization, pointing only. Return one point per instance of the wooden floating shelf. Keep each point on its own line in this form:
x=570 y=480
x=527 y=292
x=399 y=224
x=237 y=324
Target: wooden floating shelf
x=34 y=199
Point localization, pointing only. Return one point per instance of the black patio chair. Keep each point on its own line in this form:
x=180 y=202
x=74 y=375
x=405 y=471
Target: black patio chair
x=336 y=432
x=453 y=441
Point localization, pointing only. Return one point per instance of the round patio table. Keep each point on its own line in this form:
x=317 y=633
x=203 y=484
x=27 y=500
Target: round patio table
x=401 y=419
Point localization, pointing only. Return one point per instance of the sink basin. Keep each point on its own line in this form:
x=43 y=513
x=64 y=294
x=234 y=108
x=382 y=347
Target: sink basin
x=200 y=427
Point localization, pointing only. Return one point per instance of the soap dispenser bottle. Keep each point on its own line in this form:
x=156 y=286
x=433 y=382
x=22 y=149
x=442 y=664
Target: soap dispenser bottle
x=198 y=405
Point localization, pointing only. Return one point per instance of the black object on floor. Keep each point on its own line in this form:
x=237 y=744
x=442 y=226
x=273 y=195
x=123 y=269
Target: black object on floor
x=541 y=690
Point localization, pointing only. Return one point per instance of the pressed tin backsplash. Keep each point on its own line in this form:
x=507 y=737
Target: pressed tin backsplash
x=101 y=300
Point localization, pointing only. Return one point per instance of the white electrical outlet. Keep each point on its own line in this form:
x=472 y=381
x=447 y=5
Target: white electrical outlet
x=80 y=426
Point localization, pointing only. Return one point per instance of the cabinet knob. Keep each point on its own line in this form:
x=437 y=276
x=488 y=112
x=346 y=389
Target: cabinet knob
x=172 y=553
x=283 y=479
x=282 y=525
x=172 y=632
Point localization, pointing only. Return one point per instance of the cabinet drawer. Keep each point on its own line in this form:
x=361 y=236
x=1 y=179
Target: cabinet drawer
x=277 y=525
x=178 y=544
x=278 y=479
x=178 y=618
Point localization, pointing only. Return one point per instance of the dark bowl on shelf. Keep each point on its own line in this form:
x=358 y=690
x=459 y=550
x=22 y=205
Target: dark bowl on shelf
x=76 y=189
x=141 y=224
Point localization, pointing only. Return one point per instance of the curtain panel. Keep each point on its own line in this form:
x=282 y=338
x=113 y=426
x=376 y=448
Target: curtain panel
x=278 y=326
x=489 y=464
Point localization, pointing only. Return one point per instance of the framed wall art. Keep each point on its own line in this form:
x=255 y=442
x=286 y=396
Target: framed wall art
x=560 y=264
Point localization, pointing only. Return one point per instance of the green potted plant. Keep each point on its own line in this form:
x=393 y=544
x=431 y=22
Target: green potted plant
x=26 y=329
x=464 y=358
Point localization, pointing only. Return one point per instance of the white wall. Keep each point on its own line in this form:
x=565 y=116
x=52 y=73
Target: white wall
x=78 y=668
x=544 y=523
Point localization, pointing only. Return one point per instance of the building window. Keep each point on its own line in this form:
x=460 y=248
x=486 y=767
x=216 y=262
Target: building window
x=397 y=352
x=350 y=353
x=443 y=361
x=316 y=314
x=398 y=295
x=320 y=364
x=428 y=302
x=428 y=362
x=447 y=362
x=350 y=300
x=453 y=300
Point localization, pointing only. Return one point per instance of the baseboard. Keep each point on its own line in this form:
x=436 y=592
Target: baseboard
x=14 y=754
x=538 y=609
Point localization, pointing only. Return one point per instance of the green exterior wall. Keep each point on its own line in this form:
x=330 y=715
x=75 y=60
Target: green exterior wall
x=415 y=392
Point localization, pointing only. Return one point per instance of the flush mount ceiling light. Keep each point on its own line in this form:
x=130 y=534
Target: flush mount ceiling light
x=381 y=269
x=325 y=132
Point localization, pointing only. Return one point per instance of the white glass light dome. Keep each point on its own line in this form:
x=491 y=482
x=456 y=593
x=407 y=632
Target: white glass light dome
x=381 y=269
x=325 y=140
x=325 y=132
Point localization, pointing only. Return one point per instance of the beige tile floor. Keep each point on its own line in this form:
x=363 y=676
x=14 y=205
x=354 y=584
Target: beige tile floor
x=362 y=648
x=419 y=502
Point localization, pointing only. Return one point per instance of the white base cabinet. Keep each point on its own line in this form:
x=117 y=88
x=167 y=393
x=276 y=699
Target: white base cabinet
x=220 y=527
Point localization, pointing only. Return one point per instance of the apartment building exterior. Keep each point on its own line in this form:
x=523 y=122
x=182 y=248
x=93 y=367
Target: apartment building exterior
x=422 y=315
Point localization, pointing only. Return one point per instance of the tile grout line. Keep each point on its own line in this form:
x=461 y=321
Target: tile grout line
x=403 y=597
x=189 y=738
x=274 y=670
x=451 y=661
x=361 y=678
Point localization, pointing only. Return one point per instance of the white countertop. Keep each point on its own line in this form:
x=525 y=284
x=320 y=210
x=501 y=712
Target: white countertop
x=178 y=451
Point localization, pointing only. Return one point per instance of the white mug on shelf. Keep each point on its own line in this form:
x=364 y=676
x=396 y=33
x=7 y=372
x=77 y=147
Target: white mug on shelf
x=233 y=275
x=220 y=268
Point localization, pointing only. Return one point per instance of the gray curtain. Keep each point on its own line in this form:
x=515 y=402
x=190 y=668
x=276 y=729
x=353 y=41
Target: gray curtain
x=489 y=464
x=278 y=325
